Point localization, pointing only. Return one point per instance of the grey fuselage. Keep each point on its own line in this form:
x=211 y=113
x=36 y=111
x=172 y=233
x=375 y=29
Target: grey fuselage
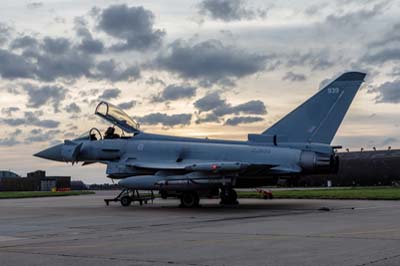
x=120 y=153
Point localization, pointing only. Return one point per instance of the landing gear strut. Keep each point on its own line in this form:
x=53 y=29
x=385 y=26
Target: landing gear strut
x=228 y=196
x=189 y=199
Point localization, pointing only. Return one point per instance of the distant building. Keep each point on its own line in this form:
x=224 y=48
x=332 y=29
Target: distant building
x=35 y=181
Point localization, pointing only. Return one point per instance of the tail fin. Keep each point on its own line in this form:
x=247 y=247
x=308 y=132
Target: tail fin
x=318 y=119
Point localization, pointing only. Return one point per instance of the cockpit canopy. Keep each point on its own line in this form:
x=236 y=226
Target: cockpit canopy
x=116 y=116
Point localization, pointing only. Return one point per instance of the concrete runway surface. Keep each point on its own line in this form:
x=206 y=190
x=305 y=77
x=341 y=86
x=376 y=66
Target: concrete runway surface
x=81 y=230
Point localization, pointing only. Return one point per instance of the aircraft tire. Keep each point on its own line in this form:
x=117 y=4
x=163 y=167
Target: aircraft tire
x=126 y=201
x=229 y=196
x=189 y=199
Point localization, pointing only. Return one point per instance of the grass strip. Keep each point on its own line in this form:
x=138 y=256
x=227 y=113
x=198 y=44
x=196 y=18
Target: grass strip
x=369 y=193
x=37 y=194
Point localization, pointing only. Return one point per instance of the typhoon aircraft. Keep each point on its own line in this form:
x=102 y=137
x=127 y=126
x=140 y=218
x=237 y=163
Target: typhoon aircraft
x=188 y=168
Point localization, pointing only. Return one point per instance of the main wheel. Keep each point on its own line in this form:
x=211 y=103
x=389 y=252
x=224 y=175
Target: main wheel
x=190 y=199
x=126 y=201
x=228 y=196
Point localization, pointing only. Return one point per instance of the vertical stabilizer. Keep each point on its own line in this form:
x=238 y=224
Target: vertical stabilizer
x=318 y=119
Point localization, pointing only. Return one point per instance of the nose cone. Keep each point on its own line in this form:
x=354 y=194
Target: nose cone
x=52 y=153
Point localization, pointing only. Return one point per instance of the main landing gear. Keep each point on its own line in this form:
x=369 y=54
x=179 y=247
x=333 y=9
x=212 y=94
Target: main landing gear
x=228 y=196
x=189 y=199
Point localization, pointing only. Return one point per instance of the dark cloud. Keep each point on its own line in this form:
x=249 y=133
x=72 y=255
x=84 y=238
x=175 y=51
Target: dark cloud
x=250 y=107
x=208 y=118
x=30 y=119
x=72 y=108
x=175 y=92
x=24 y=42
x=110 y=70
x=127 y=105
x=14 y=66
x=34 y=5
x=388 y=92
x=88 y=44
x=165 y=120
x=9 y=110
x=133 y=26
x=91 y=46
x=51 y=59
x=210 y=61
x=41 y=96
x=56 y=45
x=290 y=76
x=209 y=102
x=229 y=10
x=58 y=59
x=219 y=107
x=109 y=94
x=243 y=120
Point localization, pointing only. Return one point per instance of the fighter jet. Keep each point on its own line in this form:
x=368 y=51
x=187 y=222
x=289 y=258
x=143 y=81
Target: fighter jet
x=190 y=168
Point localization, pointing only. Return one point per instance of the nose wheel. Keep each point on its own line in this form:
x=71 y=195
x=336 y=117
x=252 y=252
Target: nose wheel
x=228 y=196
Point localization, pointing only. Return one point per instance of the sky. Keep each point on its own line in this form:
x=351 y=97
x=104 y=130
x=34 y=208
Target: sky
x=201 y=68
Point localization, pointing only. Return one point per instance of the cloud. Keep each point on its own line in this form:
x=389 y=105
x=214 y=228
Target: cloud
x=4 y=33
x=210 y=61
x=165 y=120
x=228 y=10
x=45 y=60
x=9 y=110
x=24 y=42
x=209 y=102
x=127 y=105
x=14 y=66
x=109 y=94
x=133 y=26
x=9 y=141
x=72 y=108
x=250 y=107
x=34 y=5
x=290 y=76
x=213 y=102
x=209 y=118
x=388 y=92
x=91 y=46
x=41 y=135
x=110 y=70
x=354 y=18
x=385 y=50
x=316 y=59
x=43 y=95
x=30 y=119
x=175 y=92
x=243 y=120
x=88 y=44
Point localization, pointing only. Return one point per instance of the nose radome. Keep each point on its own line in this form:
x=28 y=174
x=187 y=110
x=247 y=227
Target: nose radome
x=52 y=153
